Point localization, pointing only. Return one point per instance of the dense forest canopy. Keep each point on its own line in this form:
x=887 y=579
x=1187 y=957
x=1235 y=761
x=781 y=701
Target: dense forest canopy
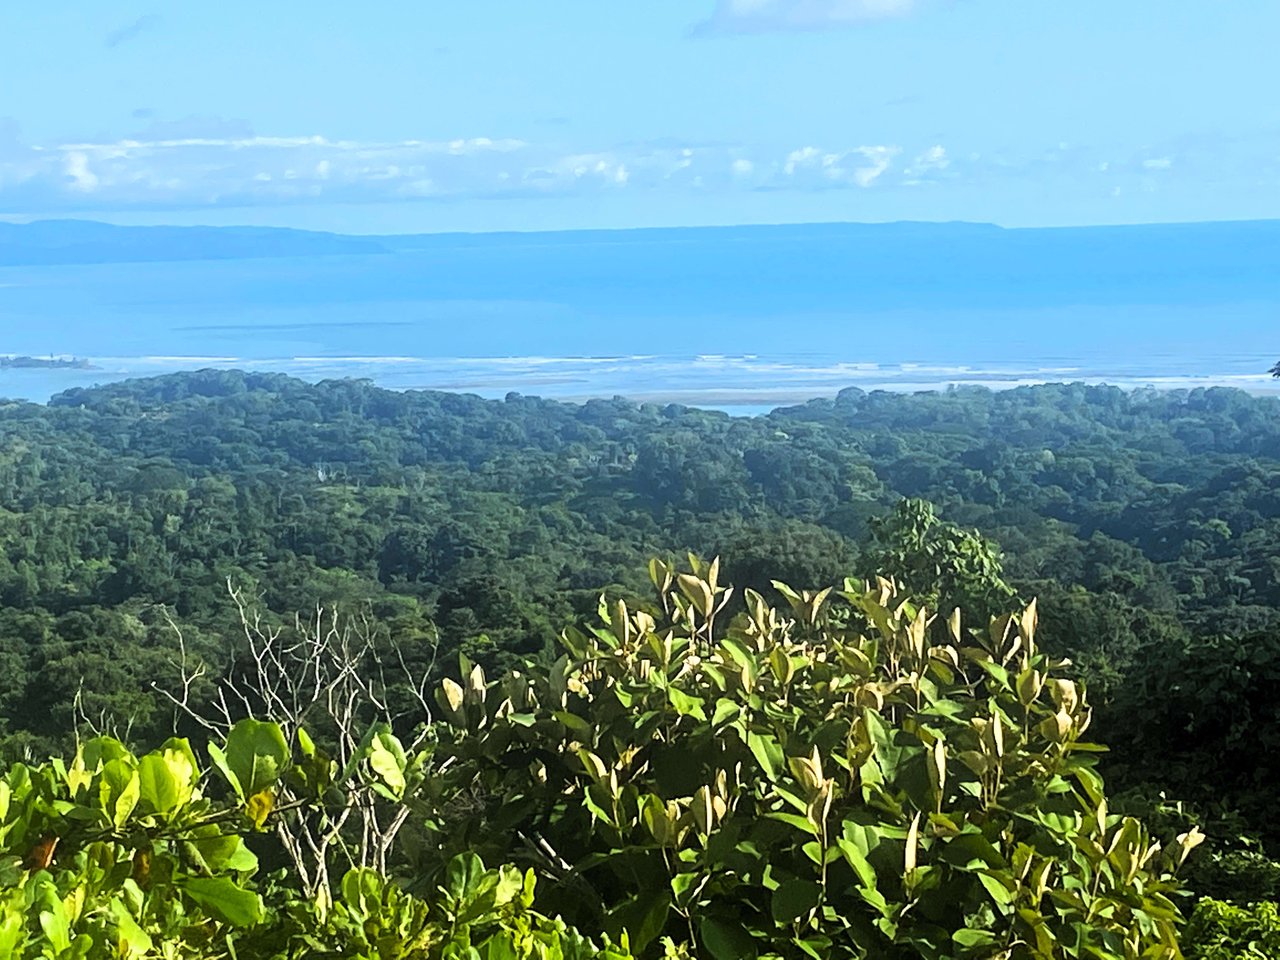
x=1145 y=522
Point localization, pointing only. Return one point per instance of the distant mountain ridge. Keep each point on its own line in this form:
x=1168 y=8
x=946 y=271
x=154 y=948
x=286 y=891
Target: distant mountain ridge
x=897 y=231
x=1228 y=247
x=60 y=242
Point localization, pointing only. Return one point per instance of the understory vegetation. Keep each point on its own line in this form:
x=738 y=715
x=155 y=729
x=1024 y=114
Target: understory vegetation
x=845 y=768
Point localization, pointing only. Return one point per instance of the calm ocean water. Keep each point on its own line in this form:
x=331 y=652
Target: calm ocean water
x=729 y=320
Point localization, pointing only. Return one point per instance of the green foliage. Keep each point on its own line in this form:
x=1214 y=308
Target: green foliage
x=1240 y=870
x=256 y=753
x=475 y=913
x=937 y=563
x=1232 y=864
x=824 y=780
x=1146 y=521
x=1213 y=700
x=1224 y=931
x=120 y=856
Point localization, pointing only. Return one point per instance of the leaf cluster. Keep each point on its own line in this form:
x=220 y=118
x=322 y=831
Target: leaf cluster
x=121 y=856
x=829 y=779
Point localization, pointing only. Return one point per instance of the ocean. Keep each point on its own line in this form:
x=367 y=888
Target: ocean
x=741 y=319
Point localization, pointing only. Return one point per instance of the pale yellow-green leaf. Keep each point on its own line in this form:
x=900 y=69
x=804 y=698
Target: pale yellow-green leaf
x=912 y=851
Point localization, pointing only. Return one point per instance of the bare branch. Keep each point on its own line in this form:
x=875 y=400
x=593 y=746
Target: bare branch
x=326 y=673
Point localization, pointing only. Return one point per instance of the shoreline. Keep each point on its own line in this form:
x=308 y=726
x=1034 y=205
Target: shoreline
x=725 y=382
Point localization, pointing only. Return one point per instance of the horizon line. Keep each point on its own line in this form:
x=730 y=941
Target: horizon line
x=23 y=220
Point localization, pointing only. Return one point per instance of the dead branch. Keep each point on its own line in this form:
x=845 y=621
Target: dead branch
x=326 y=674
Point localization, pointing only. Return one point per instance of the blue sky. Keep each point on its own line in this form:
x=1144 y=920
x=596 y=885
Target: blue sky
x=508 y=114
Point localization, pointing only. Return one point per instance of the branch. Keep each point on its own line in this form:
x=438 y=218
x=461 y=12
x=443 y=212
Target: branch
x=326 y=673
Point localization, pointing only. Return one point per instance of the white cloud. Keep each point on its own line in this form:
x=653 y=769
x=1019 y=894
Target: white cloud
x=201 y=171
x=77 y=168
x=803 y=157
x=861 y=166
x=878 y=159
x=929 y=165
x=189 y=166
x=754 y=16
x=935 y=158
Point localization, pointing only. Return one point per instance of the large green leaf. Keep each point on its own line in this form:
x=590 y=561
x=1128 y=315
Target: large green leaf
x=642 y=917
x=998 y=890
x=166 y=780
x=686 y=705
x=256 y=753
x=858 y=861
x=119 y=790
x=12 y=932
x=219 y=852
x=889 y=755
x=768 y=753
x=134 y=938
x=463 y=874
x=794 y=899
x=387 y=760
x=727 y=939
x=223 y=766
x=101 y=750
x=973 y=938
x=225 y=900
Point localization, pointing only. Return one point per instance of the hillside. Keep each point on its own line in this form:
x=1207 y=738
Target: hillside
x=1143 y=522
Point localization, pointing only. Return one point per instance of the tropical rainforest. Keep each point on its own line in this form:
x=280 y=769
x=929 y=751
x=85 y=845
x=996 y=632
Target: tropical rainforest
x=294 y=669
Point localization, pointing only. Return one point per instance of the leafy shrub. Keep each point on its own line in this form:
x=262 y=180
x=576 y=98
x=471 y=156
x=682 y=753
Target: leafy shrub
x=936 y=563
x=1231 y=865
x=1241 y=872
x=827 y=780
x=1224 y=931
x=1214 y=697
x=475 y=913
x=116 y=855
x=847 y=776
